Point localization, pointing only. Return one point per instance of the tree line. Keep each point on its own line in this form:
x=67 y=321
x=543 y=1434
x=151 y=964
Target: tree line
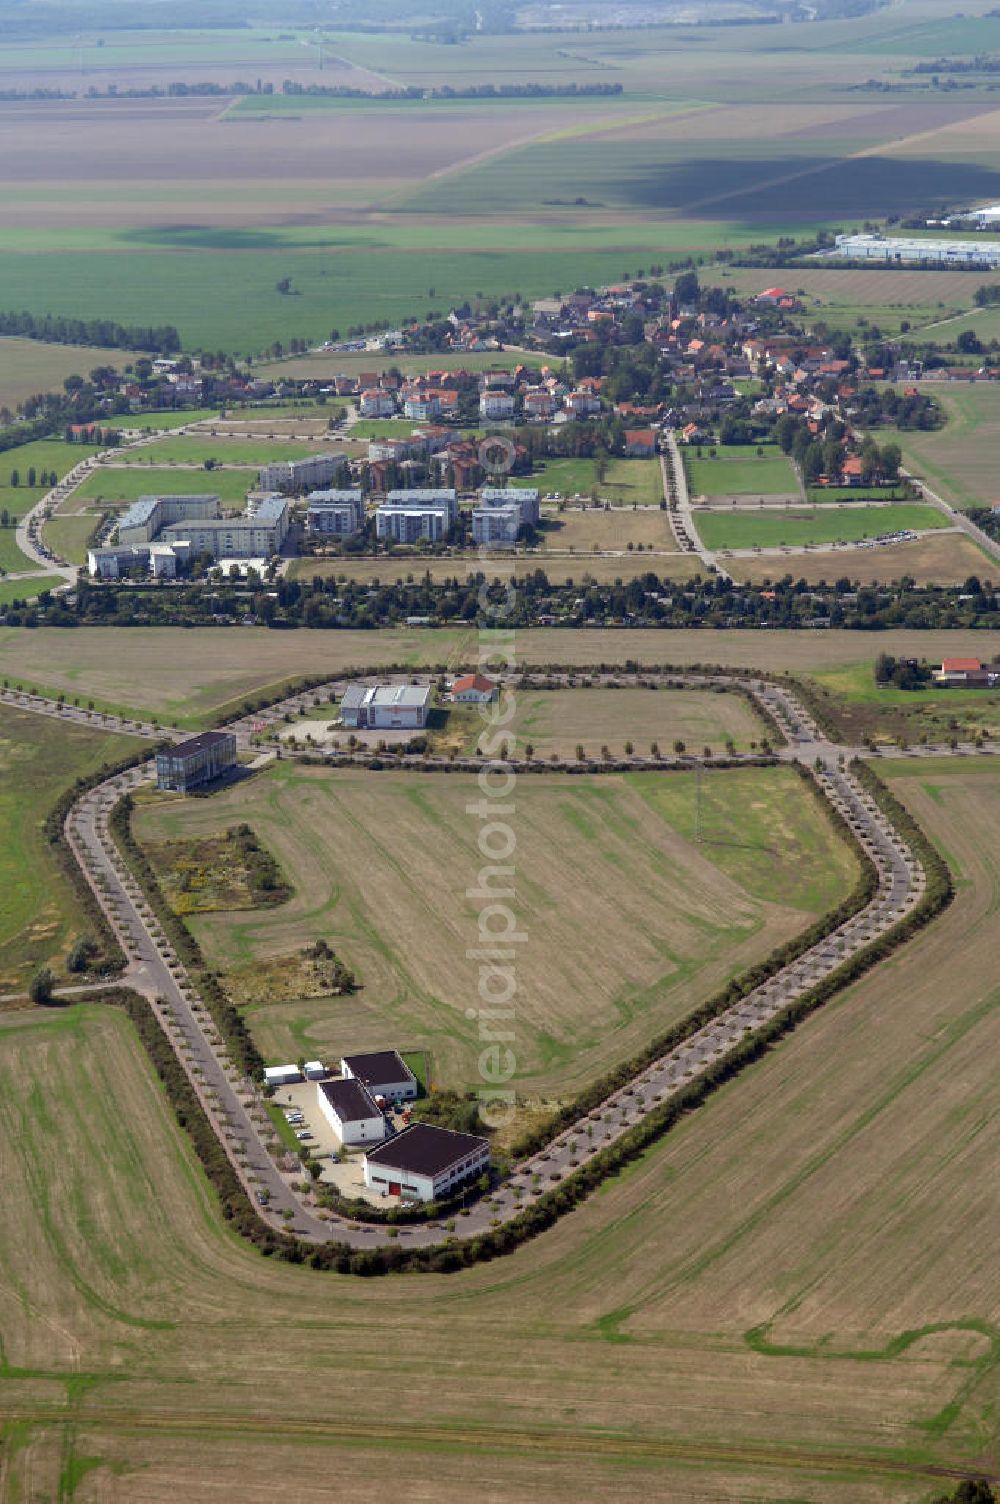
x=56 y=329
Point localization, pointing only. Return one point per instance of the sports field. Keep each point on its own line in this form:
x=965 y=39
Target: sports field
x=38 y=760
x=380 y=863
x=794 y=526
x=769 y=1335
x=771 y=474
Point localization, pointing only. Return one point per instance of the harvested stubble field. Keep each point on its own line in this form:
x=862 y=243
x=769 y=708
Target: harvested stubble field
x=196 y=675
x=629 y=923
x=795 y=526
x=947 y=559
x=39 y=918
x=29 y=366
x=558 y=721
x=771 y=1333
x=958 y=461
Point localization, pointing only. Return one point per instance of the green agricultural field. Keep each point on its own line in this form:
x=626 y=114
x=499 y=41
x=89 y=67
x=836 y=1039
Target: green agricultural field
x=771 y=475
x=795 y=526
x=39 y=758
x=195 y=449
x=656 y=924
x=115 y=485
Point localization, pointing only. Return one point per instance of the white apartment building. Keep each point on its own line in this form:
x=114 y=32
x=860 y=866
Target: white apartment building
x=301 y=475
x=336 y=514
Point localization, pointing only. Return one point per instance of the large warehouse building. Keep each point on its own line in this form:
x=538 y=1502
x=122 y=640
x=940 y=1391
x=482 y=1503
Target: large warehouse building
x=426 y=1163
x=385 y=707
x=939 y=252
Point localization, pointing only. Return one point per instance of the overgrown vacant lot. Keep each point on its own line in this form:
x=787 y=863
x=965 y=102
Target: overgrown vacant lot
x=812 y=1205
x=558 y=721
x=798 y=525
x=596 y=529
x=628 y=923
x=857 y=706
x=196 y=674
x=38 y=760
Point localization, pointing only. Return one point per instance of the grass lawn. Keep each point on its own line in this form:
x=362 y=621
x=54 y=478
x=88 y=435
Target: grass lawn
x=796 y=526
x=609 y=960
x=774 y=475
x=625 y=481
x=39 y=758
x=22 y=590
x=175 y=418
x=43 y=454
x=817 y=495
x=190 y=449
x=935 y=559
x=16 y=500
x=68 y=537
x=114 y=484
x=11 y=558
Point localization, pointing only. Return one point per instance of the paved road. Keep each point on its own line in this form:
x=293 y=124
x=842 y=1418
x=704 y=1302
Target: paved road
x=237 y=1112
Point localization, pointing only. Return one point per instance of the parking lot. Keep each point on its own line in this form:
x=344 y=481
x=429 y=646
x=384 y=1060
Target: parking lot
x=348 y=1174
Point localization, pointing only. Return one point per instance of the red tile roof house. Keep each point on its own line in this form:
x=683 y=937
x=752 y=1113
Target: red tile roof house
x=473 y=689
x=851 y=471
x=969 y=672
x=640 y=443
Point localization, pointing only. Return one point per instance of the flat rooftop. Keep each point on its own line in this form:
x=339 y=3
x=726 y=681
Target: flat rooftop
x=425 y=1149
x=200 y=743
x=409 y=695
x=379 y=1067
x=350 y=1100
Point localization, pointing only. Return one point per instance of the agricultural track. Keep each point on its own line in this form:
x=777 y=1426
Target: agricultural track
x=233 y=1104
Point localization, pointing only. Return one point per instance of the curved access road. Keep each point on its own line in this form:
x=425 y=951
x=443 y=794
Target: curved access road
x=237 y=1111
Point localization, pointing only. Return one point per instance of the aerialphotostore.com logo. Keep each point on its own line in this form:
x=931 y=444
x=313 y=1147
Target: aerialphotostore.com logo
x=499 y=932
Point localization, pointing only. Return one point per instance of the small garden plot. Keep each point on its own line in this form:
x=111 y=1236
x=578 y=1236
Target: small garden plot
x=219 y=873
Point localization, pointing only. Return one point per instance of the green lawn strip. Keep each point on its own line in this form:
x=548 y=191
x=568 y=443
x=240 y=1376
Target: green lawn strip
x=175 y=418
x=197 y=448
x=818 y=495
x=751 y=477
x=12 y=560
x=17 y=500
x=116 y=485
x=25 y=590
x=68 y=537
x=799 y=525
x=42 y=454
